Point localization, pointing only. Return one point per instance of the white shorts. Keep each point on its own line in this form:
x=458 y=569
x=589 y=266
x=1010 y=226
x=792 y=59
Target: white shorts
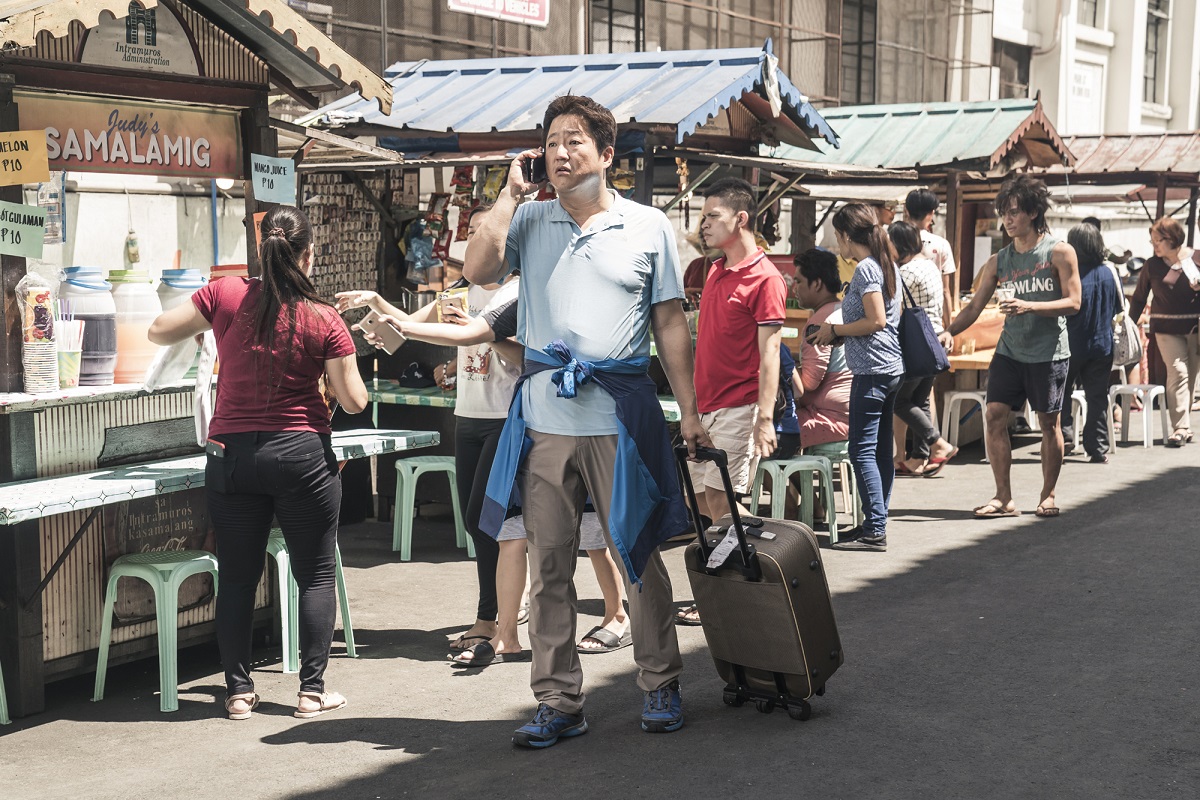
x=731 y=430
x=591 y=535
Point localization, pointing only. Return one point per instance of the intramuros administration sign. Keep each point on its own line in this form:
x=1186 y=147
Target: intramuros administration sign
x=526 y=12
x=94 y=134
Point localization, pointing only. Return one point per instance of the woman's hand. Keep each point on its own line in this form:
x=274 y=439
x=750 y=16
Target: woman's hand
x=454 y=315
x=344 y=301
x=947 y=341
x=823 y=336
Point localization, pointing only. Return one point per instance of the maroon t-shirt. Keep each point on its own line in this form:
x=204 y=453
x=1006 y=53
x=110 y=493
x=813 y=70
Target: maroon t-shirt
x=275 y=392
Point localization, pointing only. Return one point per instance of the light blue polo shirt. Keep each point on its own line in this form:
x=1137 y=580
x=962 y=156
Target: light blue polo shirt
x=593 y=289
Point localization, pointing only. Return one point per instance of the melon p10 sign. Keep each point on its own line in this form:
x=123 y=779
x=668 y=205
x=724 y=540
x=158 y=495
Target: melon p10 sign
x=525 y=12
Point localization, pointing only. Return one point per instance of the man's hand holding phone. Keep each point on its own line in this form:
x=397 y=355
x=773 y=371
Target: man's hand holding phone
x=527 y=173
x=381 y=330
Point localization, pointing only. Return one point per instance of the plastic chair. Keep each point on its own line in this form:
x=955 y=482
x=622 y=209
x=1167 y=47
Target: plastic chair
x=165 y=572
x=838 y=454
x=1125 y=393
x=4 y=720
x=781 y=471
x=1079 y=410
x=408 y=471
x=954 y=401
x=289 y=602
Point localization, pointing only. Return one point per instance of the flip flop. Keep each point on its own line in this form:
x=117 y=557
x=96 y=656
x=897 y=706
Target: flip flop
x=329 y=701
x=1045 y=512
x=464 y=638
x=607 y=638
x=523 y=614
x=936 y=464
x=484 y=654
x=681 y=616
x=903 y=469
x=993 y=510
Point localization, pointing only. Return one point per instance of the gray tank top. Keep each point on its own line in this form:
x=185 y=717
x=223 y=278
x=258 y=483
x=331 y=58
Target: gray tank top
x=1030 y=338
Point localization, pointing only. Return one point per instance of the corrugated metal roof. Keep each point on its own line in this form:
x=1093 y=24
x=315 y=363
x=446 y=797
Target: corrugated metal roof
x=1133 y=153
x=930 y=135
x=683 y=89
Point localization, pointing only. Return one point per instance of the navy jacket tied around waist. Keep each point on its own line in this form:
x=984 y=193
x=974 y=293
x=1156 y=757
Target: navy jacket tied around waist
x=647 y=506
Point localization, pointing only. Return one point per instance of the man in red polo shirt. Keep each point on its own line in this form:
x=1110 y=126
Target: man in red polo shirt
x=737 y=349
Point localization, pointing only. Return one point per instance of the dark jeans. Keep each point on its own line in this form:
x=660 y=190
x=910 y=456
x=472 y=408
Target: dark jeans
x=475 y=443
x=1092 y=374
x=872 y=403
x=912 y=406
x=292 y=477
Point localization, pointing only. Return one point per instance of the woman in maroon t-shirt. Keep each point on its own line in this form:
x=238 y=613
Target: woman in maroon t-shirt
x=269 y=453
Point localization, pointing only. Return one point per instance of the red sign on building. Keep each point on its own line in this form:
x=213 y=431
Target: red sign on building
x=526 y=12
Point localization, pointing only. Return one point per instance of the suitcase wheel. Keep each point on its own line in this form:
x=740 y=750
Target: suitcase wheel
x=765 y=706
x=732 y=697
x=801 y=711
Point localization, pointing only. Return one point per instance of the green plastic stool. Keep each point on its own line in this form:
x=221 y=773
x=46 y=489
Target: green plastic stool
x=780 y=471
x=408 y=471
x=165 y=572
x=4 y=720
x=289 y=602
x=838 y=454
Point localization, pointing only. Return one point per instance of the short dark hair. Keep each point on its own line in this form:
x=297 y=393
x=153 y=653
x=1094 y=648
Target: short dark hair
x=817 y=264
x=920 y=203
x=906 y=237
x=1088 y=244
x=600 y=122
x=1093 y=221
x=736 y=194
x=1032 y=197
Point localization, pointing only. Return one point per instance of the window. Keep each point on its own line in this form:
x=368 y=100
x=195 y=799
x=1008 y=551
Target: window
x=1089 y=13
x=1012 y=60
x=1158 y=13
x=618 y=26
x=858 y=51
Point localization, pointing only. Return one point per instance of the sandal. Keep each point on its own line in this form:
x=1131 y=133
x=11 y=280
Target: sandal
x=608 y=640
x=241 y=706
x=523 y=615
x=993 y=509
x=481 y=655
x=1177 y=439
x=461 y=643
x=689 y=615
x=1045 y=511
x=326 y=701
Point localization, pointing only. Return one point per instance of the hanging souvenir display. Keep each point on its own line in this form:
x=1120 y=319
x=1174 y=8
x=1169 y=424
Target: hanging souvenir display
x=681 y=169
x=439 y=229
x=623 y=180
x=463 y=182
x=496 y=178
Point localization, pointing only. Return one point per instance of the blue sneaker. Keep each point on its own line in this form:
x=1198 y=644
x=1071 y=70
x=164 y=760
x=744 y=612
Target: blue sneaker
x=662 y=711
x=547 y=725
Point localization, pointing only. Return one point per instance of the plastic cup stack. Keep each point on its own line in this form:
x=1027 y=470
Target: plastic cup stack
x=70 y=345
x=39 y=354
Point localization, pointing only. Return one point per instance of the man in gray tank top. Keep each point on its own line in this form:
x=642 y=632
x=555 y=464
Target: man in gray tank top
x=1037 y=279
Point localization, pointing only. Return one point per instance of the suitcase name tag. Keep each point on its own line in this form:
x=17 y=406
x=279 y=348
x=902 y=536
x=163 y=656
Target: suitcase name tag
x=721 y=552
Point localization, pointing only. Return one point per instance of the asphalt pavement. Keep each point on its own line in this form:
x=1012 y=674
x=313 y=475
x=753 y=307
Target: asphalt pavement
x=1012 y=658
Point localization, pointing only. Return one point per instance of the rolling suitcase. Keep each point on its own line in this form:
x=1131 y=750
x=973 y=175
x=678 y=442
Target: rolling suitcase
x=764 y=604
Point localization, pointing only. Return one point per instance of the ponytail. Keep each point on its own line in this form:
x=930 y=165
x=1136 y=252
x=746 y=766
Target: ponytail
x=858 y=223
x=286 y=234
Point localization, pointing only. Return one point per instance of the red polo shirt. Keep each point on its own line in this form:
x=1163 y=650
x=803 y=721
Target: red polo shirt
x=735 y=302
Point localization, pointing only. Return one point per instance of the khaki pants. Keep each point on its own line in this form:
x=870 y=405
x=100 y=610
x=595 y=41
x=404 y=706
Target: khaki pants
x=558 y=475
x=1181 y=354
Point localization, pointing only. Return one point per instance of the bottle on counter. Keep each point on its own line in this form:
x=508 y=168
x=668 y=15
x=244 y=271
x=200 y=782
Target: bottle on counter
x=90 y=299
x=137 y=307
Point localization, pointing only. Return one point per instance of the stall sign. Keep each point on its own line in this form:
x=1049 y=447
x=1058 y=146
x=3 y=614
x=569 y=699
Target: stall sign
x=96 y=134
x=23 y=158
x=147 y=39
x=525 y=12
x=22 y=230
x=274 y=179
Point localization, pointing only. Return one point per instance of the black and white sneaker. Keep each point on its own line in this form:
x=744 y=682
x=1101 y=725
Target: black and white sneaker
x=876 y=543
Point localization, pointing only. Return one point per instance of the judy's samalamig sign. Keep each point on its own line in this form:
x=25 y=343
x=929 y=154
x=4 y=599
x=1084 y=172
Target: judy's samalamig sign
x=95 y=134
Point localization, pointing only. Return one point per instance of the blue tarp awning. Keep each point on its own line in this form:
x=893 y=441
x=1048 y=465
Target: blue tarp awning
x=681 y=90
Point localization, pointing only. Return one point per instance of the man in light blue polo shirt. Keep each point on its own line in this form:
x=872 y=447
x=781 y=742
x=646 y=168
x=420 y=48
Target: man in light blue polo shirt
x=598 y=271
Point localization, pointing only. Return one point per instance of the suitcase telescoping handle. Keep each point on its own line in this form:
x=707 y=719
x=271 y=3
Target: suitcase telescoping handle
x=718 y=457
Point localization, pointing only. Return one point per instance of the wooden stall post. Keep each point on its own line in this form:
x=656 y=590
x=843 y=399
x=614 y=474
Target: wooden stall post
x=12 y=268
x=1193 y=196
x=954 y=232
x=1161 y=207
x=257 y=137
x=804 y=224
x=21 y=636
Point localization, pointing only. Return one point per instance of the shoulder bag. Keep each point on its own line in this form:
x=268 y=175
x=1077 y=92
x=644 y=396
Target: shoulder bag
x=924 y=355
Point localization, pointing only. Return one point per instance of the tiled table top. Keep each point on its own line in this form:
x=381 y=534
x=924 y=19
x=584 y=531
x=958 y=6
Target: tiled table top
x=15 y=402
x=44 y=497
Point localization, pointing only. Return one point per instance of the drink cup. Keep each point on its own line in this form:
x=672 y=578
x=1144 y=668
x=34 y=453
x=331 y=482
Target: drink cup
x=68 y=368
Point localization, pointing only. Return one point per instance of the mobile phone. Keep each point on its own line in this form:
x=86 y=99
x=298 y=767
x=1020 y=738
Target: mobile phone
x=214 y=448
x=534 y=169
x=810 y=330
x=387 y=335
